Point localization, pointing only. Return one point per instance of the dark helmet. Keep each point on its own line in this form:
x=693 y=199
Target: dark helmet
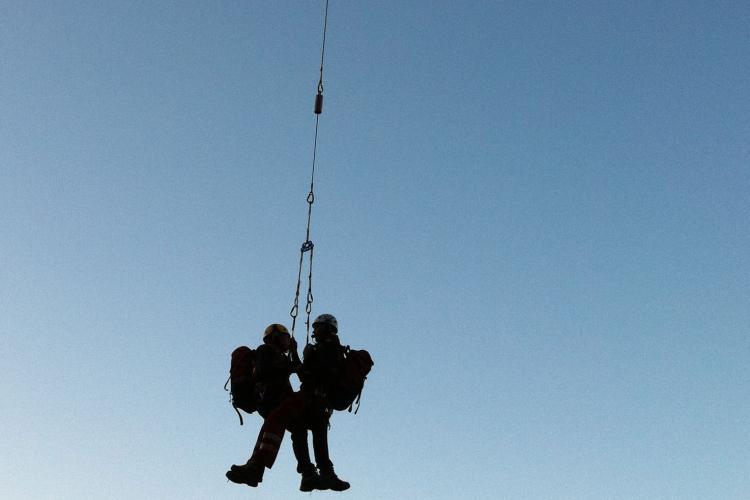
x=274 y=329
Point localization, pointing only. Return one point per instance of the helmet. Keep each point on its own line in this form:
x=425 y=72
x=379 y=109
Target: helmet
x=274 y=329
x=327 y=319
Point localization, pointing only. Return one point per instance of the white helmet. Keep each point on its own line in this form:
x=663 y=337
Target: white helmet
x=327 y=319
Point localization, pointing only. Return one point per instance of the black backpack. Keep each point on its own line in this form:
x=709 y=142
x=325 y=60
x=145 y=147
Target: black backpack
x=356 y=367
x=241 y=381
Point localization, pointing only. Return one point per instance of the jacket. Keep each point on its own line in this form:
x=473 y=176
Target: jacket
x=322 y=367
x=272 y=371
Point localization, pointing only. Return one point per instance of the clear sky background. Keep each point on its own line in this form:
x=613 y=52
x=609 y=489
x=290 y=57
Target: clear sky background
x=535 y=215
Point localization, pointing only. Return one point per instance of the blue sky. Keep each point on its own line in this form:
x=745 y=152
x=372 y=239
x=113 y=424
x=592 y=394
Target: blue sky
x=534 y=216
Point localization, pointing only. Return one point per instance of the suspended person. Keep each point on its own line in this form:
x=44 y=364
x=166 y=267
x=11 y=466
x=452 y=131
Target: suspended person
x=275 y=361
x=310 y=408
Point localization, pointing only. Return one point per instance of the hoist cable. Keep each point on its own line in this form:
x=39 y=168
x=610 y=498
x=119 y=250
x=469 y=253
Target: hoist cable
x=323 y=49
x=308 y=245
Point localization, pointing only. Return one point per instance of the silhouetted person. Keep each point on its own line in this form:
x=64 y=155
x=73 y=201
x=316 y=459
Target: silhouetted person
x=310 y=408
x=275 y=360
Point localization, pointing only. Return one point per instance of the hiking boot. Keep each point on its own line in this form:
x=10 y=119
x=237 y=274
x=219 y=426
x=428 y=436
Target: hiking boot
x=330 y=481
x=310 y=481
x=249 y=474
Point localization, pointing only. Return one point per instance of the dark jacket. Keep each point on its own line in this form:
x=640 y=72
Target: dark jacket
x=272 y=371
x=322 y=367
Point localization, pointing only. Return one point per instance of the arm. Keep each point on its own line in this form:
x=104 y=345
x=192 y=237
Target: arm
x=295 y=357
x=270 y=365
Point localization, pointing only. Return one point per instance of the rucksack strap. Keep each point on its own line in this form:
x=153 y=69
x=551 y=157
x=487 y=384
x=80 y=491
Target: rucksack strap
x=240 y=414
x=356 y=401
x=231 y=400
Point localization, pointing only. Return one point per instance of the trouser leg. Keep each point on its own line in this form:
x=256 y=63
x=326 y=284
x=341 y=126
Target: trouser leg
x=301 y=450
x=320 y=446
x=272 y=431
x=267 y=446
x=328 y=478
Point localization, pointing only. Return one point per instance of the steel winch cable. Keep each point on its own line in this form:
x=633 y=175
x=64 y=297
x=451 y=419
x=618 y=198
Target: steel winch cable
x=308 y=245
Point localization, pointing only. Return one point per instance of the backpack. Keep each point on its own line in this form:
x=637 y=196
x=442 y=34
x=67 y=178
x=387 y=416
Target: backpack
x=357 y=366
x=242 y=384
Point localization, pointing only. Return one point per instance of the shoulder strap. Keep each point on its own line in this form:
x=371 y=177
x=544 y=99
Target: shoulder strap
x=356 y=401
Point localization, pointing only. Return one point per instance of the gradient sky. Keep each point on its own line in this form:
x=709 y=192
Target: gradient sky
x=535 y=215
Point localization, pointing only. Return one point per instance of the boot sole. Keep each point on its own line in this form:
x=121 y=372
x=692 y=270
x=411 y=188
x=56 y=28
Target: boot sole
x=238 y=479
x=331 y=488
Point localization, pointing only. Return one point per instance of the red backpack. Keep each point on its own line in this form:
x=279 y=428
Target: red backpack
x=241 y=381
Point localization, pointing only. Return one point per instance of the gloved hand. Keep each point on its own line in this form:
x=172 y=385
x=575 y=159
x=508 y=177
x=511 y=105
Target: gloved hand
x=293 y=351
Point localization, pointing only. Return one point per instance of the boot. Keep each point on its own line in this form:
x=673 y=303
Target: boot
x=249 y=474
x=310 y=480
x=330 y=481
